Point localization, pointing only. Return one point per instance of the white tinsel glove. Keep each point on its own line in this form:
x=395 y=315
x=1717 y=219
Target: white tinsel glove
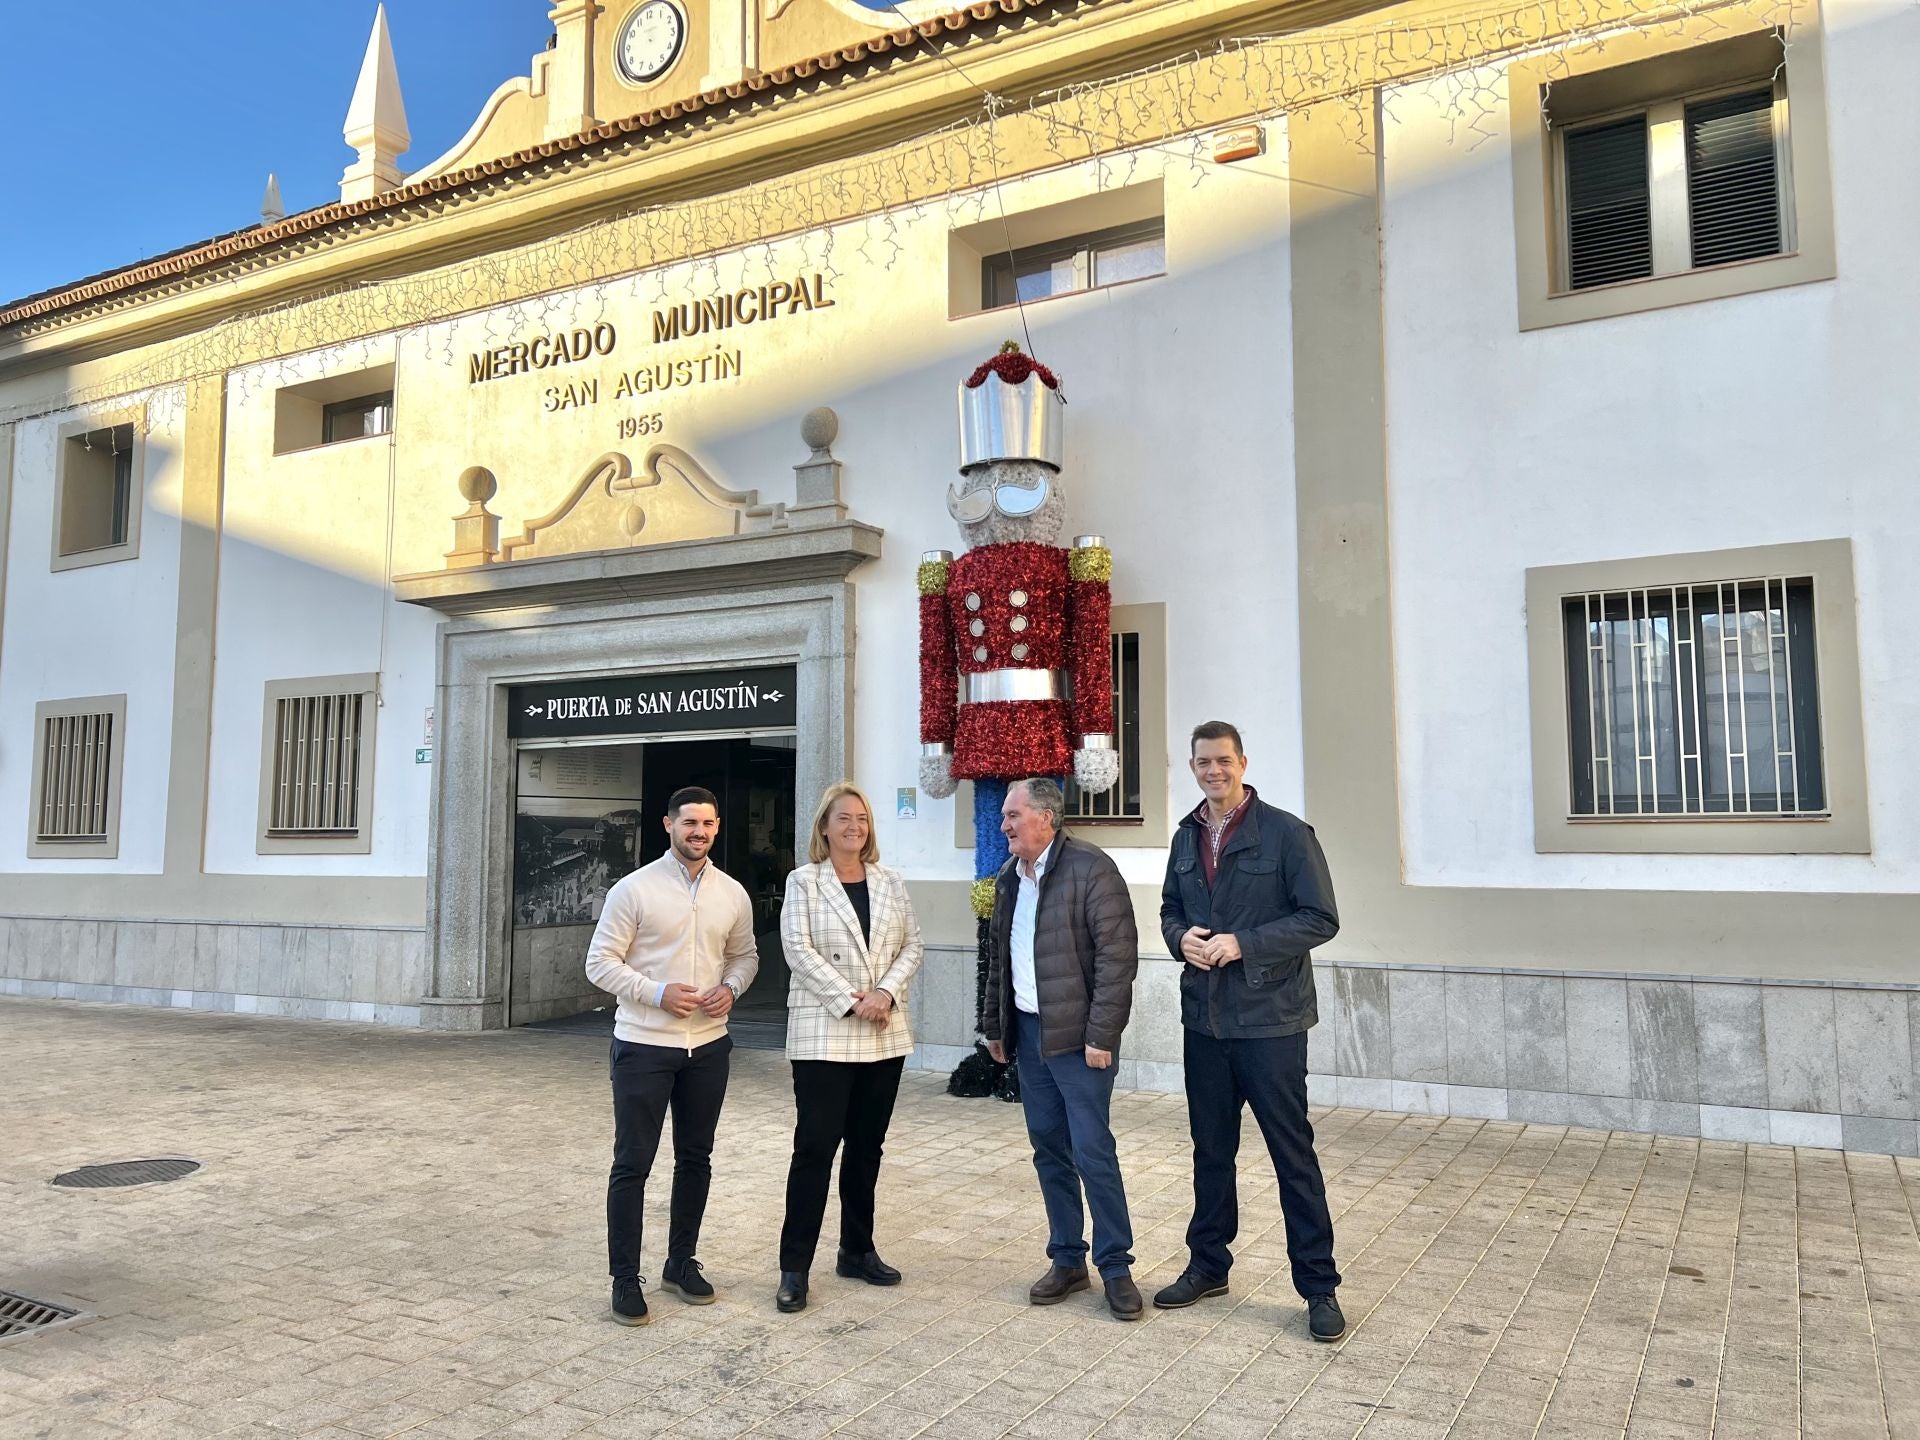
x=936 y=776
x=1096 y=771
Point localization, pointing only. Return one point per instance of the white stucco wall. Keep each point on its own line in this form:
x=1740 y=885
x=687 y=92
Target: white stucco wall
x=1770 y=418
x=97 y=630
x=302 y=594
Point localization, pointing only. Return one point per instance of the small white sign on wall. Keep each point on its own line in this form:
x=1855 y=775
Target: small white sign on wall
x=426 y=737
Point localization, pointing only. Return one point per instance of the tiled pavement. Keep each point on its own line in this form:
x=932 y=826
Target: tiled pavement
x=399 y=1233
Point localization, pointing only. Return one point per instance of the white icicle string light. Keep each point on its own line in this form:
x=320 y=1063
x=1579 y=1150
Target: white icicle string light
x=942 y=174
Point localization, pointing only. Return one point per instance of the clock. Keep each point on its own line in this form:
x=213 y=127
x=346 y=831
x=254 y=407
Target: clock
x=651 y=40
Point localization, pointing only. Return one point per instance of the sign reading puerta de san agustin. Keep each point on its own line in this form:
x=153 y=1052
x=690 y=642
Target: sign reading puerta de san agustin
x=562 y=350
x=690 y=701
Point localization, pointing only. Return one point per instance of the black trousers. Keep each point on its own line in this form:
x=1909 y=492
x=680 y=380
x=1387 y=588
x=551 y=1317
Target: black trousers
x=840 y=1104
x=648 y=1081
x=1269 y=1077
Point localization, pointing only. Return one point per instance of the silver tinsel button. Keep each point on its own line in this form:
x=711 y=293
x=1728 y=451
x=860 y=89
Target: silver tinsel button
x=973 y=601
x=1020 y=651
x=977 y=627
x=980 y=652
x=1017 y=599
x=1018 y=623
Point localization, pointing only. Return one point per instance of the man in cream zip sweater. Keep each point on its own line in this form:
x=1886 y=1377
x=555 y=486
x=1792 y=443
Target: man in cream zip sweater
x=675 y=945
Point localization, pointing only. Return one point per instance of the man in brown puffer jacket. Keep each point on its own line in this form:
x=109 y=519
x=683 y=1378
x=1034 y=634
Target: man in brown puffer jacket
x=1059 y=992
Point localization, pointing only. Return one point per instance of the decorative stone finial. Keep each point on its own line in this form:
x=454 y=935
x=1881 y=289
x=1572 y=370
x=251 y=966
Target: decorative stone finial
x=476 y=532
x=376 y=120
x=818 y=429
x=272 y=208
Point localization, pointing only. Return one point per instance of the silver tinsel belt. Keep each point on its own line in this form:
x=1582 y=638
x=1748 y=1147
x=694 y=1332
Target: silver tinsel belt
x=1016 y=685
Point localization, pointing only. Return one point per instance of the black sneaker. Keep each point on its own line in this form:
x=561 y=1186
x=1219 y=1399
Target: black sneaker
x=685 y=1276
x=1324 y=1319
x=1187 y=1290
x=629 y=1304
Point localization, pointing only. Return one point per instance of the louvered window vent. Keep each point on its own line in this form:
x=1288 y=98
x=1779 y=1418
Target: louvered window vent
x=1733 y=179
x=1609 y=210
x=1684 y=185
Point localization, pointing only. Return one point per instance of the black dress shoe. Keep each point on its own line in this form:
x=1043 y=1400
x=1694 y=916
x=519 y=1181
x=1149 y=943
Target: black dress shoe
x=685 y=1276
x=1123 y=1298
x=1058 y=1283
x=868 y=1267
x=629 y=1302
x=1187 y=1290
x=792 y=1294
x=1324 y=1319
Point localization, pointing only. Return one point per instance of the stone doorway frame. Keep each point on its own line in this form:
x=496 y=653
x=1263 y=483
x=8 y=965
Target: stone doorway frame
x=777 y=597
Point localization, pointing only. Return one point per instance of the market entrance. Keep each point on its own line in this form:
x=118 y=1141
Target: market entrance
x=587 y=810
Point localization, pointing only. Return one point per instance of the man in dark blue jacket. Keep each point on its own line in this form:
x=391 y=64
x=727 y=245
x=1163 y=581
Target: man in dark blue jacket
x=1246 y=899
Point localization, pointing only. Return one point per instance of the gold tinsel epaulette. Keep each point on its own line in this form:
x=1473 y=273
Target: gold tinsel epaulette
x=1093 y=563
x=983 y=897
x=933 y=576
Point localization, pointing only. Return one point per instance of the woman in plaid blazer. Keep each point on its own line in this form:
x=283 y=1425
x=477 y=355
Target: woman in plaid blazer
x=852 y=943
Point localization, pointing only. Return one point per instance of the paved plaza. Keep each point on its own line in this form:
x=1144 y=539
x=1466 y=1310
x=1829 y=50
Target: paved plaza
x=399 y=1233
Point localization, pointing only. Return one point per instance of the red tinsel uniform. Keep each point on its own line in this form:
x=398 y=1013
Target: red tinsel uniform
x=1016 y=607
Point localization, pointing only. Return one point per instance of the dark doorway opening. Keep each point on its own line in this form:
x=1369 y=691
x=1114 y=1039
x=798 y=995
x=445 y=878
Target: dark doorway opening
x=585 y=815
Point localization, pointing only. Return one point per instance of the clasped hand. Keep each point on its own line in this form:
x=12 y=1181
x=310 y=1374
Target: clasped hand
x=873 y=1006
x=681 y=1001
x=1201 y=947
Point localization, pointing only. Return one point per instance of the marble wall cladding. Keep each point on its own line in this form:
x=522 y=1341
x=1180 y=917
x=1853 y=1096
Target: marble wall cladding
x=1775 y=1062
x=304 y=970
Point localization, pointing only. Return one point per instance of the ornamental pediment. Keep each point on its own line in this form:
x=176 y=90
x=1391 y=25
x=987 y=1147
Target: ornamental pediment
x=669 y=496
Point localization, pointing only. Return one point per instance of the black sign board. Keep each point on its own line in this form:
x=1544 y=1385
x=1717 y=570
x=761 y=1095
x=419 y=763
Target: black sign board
x=689 y=701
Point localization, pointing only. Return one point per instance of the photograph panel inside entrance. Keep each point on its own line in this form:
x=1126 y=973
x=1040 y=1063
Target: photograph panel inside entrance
x=589 y=807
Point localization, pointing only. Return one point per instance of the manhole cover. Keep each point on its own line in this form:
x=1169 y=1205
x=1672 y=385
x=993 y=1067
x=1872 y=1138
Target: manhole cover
x=20 y=1315
x=125 y=1172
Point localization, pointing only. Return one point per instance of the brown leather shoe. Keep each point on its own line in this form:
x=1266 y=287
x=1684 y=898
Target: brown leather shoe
x=1123 y=1298
x=1058 y=1283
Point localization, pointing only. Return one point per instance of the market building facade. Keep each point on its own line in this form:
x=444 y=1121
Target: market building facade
x=1501 y=413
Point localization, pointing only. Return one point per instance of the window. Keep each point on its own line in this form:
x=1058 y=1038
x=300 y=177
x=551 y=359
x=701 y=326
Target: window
x=76 y=778
x=317 y=766
x=357 y=418
x=1705 y=703
x=1122 y=802
x=349 y=406
x=1081 y=262
x=1075 y=245
x=1670 y=165
x=1682 y=185
x=97 y=492
x=1695 y=700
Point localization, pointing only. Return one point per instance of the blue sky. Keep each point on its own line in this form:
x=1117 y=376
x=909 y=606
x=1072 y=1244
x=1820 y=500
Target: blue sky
x=139 y=128
x=142 y=127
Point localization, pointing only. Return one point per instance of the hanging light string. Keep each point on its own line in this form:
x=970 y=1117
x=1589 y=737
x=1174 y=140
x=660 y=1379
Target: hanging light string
x=1116 y=124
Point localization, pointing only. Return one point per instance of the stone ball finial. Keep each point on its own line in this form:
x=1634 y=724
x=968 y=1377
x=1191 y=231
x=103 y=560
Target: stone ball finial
x=477 y=485
x=819 y=428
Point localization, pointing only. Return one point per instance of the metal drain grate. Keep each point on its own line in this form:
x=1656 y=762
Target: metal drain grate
x=19 y=1315
x=125 y=1172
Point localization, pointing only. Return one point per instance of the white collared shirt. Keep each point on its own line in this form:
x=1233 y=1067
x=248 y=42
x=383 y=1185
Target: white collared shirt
x=1026 y=909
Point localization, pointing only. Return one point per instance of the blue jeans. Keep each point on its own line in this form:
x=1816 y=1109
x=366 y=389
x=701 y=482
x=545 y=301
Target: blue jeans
x=1269 y=1077
x=1066 y=1101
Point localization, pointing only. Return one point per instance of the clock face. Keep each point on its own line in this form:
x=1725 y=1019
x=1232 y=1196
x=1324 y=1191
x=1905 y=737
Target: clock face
x=651 y=40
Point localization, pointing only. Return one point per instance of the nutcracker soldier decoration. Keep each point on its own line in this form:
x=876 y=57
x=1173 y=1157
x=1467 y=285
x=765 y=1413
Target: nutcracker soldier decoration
x=1015 y=664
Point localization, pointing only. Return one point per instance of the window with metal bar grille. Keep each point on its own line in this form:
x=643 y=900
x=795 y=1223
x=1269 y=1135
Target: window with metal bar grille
x=76 y=778
x=1683 y=185
x=1694 y=700
x=316 y=765
x=1121 y=804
